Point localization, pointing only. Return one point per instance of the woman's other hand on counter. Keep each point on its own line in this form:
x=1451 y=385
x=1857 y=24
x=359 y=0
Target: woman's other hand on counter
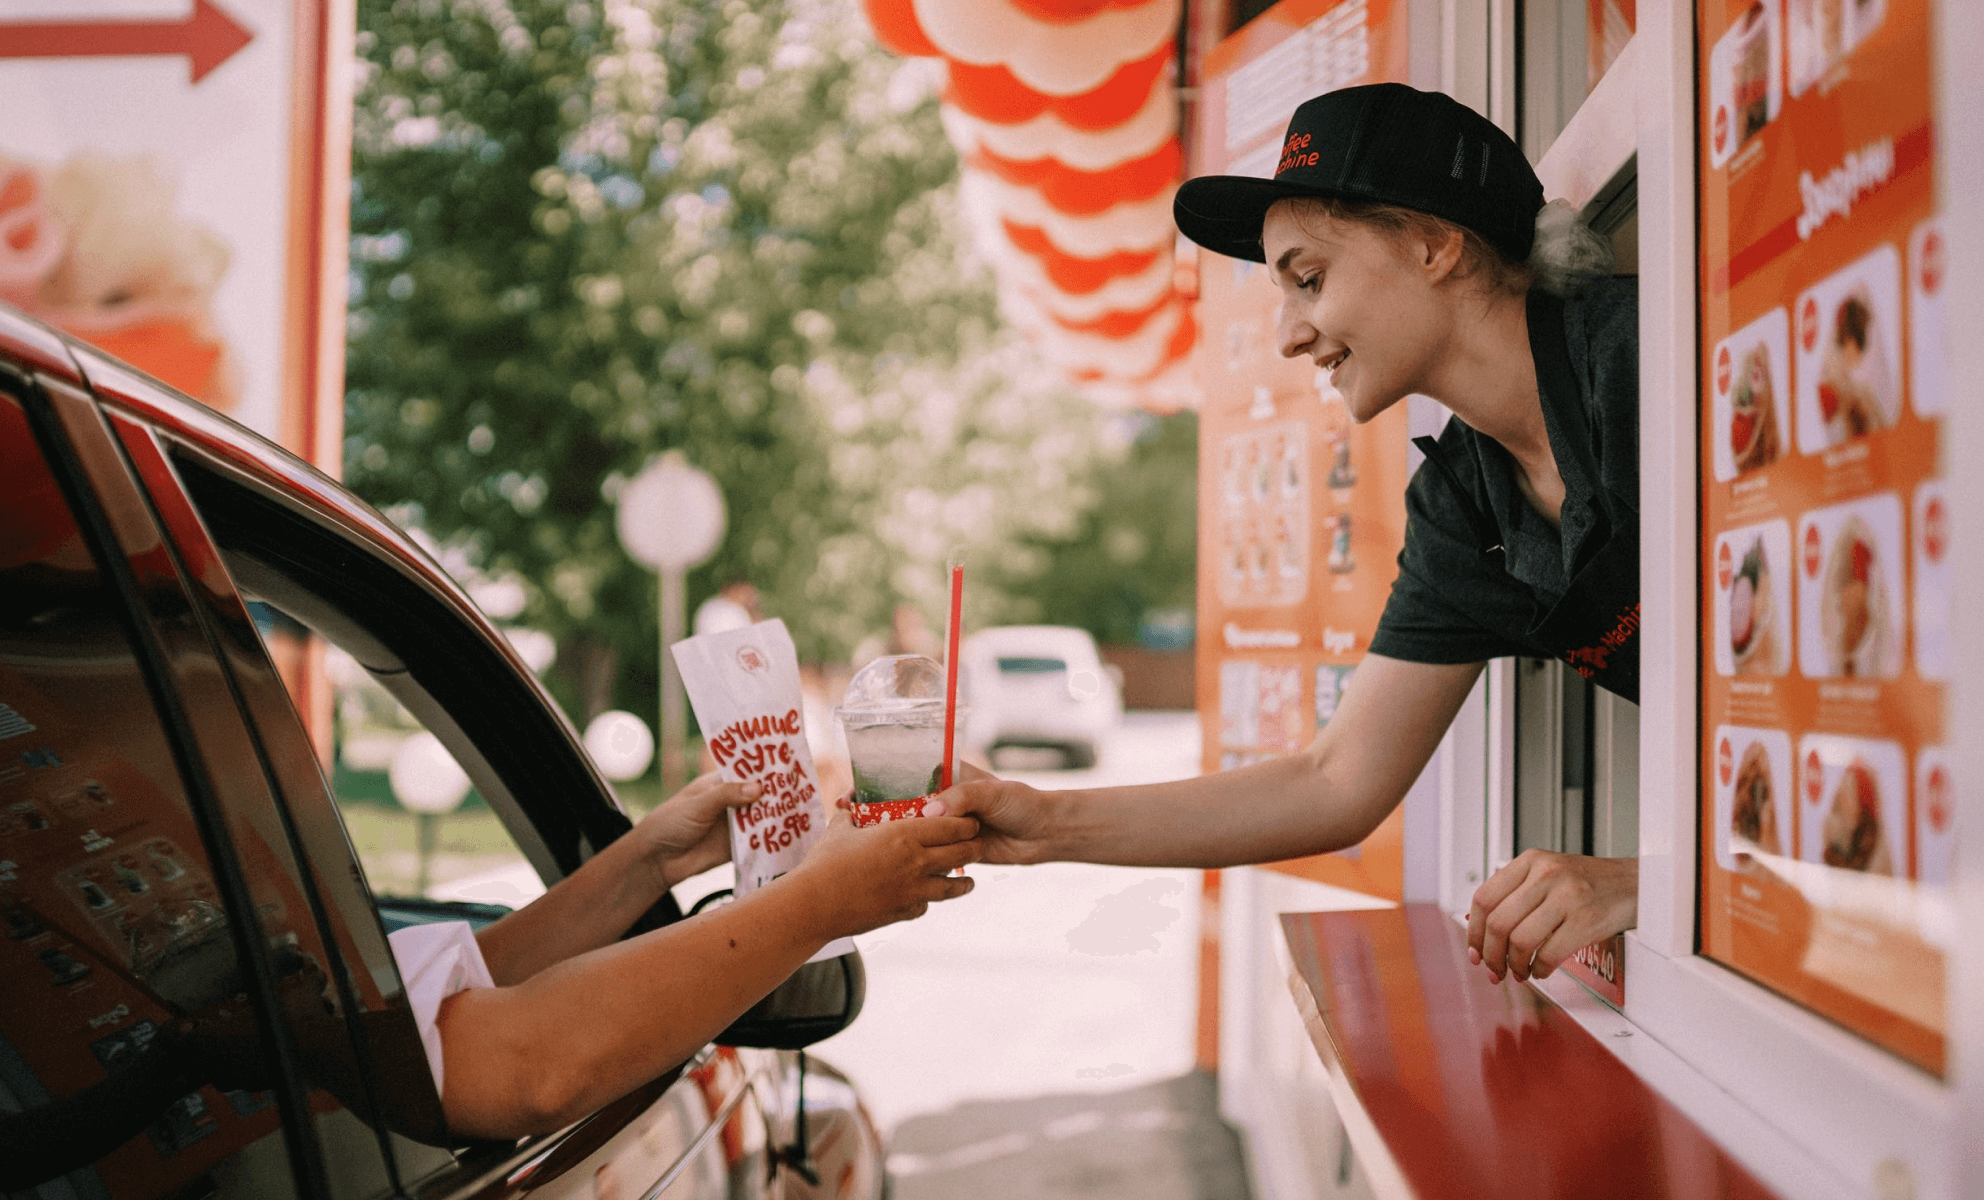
x=1543 y=907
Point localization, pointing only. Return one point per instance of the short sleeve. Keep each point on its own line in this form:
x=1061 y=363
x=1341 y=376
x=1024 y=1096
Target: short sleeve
x=1449 y=604
x=436 y=961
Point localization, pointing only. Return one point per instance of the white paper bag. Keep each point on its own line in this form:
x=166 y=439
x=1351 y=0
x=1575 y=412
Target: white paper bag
x=744 y=686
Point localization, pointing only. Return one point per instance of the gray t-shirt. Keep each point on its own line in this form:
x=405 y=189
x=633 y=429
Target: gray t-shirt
x=1454 y=603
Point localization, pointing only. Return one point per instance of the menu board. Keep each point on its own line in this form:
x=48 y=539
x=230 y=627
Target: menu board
x=1826 y=805
x=1301 y=511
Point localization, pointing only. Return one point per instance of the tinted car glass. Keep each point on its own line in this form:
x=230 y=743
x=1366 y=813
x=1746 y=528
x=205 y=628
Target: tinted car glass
x=120 y=970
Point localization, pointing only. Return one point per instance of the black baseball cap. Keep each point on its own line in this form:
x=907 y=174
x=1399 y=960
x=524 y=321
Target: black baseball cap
x=1382 y=142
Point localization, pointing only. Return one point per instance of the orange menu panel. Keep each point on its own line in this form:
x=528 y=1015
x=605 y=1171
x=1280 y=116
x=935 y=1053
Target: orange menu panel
x=1826 y=804
x=1301 y=512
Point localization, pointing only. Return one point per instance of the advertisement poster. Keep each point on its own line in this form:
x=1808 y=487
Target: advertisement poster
x=1302 y=512
x=1825 y=802
x=171 y=190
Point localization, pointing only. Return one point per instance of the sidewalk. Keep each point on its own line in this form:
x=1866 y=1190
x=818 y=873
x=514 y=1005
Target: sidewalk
x=1161 y=1141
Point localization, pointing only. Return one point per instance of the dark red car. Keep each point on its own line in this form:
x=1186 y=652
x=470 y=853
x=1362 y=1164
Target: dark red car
x=197 y=997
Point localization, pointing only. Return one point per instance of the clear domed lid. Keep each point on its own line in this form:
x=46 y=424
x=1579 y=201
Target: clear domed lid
x=898 y=689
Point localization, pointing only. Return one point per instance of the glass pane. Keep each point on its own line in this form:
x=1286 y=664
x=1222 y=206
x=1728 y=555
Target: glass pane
x=114 y=924
x=1826 y=815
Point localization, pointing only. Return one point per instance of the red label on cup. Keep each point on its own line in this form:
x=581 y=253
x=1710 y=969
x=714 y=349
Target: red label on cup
x=1725 y=762
x=1812 y=546
x=1723 y=572
x=1815 y=777
x=1808 y=324
x=881 y=812
x=1723 y=370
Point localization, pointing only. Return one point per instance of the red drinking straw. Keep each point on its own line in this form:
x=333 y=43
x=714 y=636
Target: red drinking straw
x=951 y=668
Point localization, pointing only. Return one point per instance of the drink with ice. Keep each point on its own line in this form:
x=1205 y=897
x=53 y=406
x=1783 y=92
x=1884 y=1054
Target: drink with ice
x=893 y=717
x=895 y=762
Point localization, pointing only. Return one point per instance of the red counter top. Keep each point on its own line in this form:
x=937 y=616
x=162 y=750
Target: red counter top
x=1453 y=1086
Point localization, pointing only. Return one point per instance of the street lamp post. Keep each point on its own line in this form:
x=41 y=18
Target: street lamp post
x=429 y=783
x=671 y=519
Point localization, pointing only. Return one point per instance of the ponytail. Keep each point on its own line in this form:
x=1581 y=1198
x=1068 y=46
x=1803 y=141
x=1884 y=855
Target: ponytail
x=1568 y=253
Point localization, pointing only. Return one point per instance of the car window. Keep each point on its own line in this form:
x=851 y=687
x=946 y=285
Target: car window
x=129 y=1064
x=1022 y=665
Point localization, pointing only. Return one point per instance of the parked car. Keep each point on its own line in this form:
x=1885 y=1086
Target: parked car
x=1039 y=686
x=197 y=996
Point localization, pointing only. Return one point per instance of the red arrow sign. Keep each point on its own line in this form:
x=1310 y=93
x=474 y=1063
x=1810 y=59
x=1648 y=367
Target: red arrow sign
x=208 y=38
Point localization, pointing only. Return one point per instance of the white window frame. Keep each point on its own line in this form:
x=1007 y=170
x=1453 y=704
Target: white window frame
x=1960 y=173
x=1813 y=1109
x=1823 y=1112
x=1841 y=1106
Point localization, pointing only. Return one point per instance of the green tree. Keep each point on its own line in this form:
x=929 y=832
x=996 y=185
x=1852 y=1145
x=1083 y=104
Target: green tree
x=586 y=232
x=1134 y=550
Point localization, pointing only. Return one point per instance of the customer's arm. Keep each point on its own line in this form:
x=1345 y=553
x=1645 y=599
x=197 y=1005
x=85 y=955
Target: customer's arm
x=601 y=900
x=536 y=1055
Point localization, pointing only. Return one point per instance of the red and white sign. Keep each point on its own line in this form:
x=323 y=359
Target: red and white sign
x=172 y=189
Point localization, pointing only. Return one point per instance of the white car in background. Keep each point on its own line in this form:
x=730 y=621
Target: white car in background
x=1042 y=686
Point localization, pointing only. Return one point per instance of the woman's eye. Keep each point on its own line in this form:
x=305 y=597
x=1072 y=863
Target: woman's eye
x=1312 y=282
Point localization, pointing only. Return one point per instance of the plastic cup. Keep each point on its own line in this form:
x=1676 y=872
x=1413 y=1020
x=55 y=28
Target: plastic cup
x=893 y=718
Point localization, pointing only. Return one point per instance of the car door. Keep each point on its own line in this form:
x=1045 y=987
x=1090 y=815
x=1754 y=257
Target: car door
x=323 y=560
x=168 y=1017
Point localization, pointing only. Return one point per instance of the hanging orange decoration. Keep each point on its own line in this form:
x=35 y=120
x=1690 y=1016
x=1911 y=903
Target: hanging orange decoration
x=1065 y=116
x=895 y=26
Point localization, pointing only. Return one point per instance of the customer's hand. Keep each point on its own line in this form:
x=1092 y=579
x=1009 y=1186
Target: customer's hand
x=687 y=834
x=867 y=878
x=1540 y=909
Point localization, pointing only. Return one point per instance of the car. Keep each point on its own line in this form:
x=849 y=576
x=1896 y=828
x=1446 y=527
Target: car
x=1038 y=686
x=197 y=995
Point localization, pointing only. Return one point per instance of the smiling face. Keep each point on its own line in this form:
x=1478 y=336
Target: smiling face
x=1371 y=308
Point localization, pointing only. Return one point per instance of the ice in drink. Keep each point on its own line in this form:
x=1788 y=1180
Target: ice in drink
x=893 y=718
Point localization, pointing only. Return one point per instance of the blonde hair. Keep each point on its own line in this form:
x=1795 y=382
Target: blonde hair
x=1567 y=254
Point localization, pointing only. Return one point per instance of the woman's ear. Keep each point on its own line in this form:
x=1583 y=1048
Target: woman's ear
x=1440 y=256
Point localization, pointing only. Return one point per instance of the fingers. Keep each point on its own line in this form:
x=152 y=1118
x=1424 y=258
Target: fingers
x=957 y=854
x=939 y=831
x=955 y=886
x=1487 y=897
x=967 y=773
x=1503 y=920
x=1532 y=934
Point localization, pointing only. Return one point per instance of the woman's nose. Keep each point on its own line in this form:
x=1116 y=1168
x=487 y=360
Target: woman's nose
x=1293 y=335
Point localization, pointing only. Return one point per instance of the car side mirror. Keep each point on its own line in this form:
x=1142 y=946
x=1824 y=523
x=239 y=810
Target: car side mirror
x=814 y=1003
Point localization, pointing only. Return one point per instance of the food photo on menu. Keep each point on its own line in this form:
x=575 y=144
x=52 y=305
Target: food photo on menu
x=1854 y=793
x=1848 y=345
x=1752 y=400
x=1849 y=606
x=1755 y=803
x=1820 y=32
x=1744 y=77
x=1753 y=600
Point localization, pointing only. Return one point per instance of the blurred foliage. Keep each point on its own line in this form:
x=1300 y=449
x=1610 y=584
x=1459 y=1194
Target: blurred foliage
x=588 y=231
x=1134 y=551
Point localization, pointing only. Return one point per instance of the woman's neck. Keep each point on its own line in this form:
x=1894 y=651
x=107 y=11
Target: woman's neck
x=1488 y=378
